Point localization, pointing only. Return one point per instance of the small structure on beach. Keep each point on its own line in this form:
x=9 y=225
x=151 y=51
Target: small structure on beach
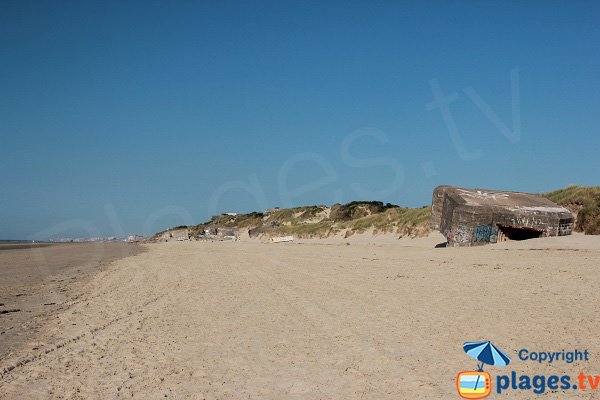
x=469 y=217
x=282 y=239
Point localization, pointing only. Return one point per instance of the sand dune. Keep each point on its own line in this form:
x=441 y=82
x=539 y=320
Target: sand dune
x=313 y=320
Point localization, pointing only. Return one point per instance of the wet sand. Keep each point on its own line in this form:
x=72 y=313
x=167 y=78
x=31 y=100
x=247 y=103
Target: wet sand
x=355 y=319
x=35 y=283
x=21 y=246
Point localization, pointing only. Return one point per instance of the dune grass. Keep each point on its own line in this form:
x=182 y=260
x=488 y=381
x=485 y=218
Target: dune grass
x=320 y=229
x=585 y=201
x=392 y=219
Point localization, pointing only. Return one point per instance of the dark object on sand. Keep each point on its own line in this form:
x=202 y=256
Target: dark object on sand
x=10 y=310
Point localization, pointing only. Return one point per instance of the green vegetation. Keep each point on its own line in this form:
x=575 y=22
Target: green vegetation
x=584 y=201
x=358 y=209
x=321 y=221
x=296 y=214
x=404 y=221
x=319 y=229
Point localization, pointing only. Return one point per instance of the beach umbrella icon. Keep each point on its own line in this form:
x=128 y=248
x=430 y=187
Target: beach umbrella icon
x=486 y=353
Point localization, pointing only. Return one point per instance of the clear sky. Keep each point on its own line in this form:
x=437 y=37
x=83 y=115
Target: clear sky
x=129 y=117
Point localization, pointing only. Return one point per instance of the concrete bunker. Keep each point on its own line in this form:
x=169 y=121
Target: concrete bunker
x=470 y=217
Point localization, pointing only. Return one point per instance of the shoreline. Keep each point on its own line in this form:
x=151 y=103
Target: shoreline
x=23 y=246
x=36 y=281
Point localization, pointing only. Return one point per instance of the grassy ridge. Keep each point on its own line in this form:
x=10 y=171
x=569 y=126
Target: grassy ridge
x=404 y=221
x=584 y=201
x=321 y=221
x=363 y=216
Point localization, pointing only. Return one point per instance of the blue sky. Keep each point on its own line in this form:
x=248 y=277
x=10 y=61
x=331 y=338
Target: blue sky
x=130 y=117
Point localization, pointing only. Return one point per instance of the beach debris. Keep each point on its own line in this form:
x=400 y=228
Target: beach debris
x=282 y=239
x=10 y=310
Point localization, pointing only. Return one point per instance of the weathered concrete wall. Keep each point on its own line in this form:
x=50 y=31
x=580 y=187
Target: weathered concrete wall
x=565 y=227
x=469 y=217
x=437 y=203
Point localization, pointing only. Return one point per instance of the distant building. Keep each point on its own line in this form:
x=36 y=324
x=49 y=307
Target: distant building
x=470 y=217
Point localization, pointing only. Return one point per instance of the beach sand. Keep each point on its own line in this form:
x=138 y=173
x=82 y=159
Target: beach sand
x=36 y=283
x=359 y=318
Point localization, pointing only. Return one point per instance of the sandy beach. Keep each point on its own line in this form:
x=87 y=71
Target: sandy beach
x=37 y=282
x=363 y=318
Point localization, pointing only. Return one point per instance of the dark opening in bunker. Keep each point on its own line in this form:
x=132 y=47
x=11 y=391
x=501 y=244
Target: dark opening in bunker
x=517 y=233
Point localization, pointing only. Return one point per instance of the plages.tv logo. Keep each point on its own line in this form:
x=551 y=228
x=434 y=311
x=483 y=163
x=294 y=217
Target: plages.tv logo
x=478 y=384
